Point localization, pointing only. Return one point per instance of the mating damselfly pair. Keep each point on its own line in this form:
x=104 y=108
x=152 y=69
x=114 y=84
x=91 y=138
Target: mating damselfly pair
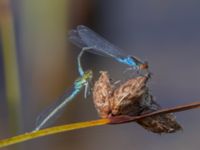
x=88 y=41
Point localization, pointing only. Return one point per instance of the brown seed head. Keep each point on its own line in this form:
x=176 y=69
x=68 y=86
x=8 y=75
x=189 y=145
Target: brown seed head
x=126 y=97
x=131 y=98
x=101 y=94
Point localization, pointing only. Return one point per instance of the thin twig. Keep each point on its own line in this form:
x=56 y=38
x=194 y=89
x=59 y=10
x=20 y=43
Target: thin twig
x=99 y=122
x=123 y=119
x=53 y=130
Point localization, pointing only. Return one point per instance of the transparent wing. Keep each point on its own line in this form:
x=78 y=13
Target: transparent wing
x=92 y=39
x=54 y=111
x=76 y=40
x=97 y=44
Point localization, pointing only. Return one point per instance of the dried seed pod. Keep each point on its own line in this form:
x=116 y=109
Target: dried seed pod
x=127 y=97
x=163 y=123
x=102 y=92
x=131 y=98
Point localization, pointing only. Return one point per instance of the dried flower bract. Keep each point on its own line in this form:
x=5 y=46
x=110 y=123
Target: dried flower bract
x=131 y=98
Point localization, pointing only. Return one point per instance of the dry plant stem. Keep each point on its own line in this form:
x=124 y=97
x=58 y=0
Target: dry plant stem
x=74 y=126
x=52 y=130
x=123 y=119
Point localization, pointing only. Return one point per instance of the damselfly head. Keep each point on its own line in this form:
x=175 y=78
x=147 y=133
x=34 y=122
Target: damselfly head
x=88 y=75
x=144 y=66
x=81 y=81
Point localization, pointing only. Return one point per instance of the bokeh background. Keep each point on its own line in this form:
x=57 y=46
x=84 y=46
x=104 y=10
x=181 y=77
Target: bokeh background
x=37 y=63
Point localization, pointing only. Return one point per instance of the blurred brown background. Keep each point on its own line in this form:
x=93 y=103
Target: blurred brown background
x=37 y=63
